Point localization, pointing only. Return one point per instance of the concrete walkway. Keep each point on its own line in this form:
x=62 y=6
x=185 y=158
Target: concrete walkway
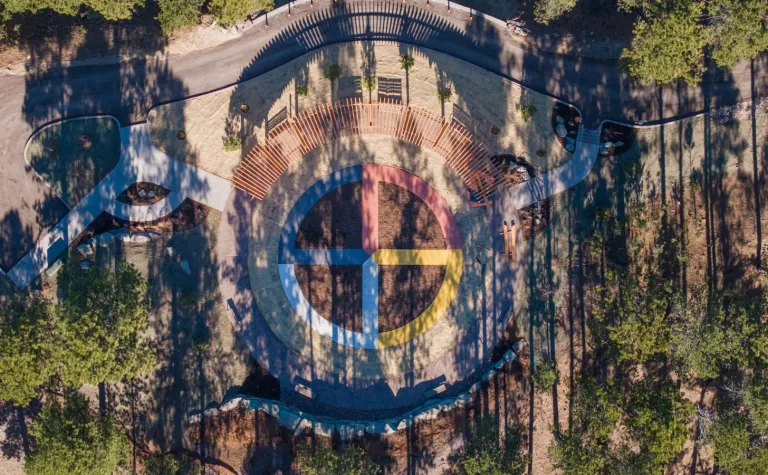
x=139 y=161
x=559 y=179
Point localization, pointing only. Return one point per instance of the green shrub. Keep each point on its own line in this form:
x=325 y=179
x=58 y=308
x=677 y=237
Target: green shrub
x=71 y=439
x=526 y=111
x=733 y=450
x=175 y=14
x=188 y=300
x=232 y=143
x=487 y=455
x=302 y=91
x=229 y=12
x=326 y=461
x=658 y=417
x=694 y=185
x=202 y=343
x=545 y=375
x=444 y=94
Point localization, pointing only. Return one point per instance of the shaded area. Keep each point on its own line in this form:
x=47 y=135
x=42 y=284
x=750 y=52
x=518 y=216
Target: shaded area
x=405 y=221
x=335 y=292
x=72 y=157
x=335 y=221
x=405 y=292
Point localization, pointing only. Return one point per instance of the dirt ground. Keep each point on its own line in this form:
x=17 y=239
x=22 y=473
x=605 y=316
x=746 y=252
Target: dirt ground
x=406 y=222
x=48 y=38
x=482 y=102
x=335 y=292
x=335 y=220
x=712 y=225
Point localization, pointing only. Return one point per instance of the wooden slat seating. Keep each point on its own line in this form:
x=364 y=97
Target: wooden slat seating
x=294 y=138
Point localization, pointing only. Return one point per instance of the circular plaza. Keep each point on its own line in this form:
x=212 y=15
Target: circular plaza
x=365 y=273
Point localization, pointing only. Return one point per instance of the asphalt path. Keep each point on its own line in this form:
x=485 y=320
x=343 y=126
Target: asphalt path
x=128 y=90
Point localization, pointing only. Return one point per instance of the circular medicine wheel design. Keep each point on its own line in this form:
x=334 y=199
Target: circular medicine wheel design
x=370 y=256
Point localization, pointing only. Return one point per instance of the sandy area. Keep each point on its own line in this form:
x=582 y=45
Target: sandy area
x=484 y=103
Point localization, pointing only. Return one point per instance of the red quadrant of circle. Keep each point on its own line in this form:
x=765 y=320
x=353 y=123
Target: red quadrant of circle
x=372 y=175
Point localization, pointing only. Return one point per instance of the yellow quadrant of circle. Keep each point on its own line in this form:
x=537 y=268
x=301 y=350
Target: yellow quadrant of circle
x=451 y=258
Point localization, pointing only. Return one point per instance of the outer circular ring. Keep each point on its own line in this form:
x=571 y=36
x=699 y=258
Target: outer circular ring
x=370 y=257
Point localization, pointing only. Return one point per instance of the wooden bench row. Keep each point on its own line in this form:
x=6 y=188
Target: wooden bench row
x=318 y=125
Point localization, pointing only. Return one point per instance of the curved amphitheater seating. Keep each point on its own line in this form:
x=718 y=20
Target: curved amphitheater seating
x=314 y=127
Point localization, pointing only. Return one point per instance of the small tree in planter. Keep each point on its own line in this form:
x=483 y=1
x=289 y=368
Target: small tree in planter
x=333 y=72
x=369 y=84
x=406 y=63
x=444 y=94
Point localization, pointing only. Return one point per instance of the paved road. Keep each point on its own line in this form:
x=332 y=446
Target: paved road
x=128 y=90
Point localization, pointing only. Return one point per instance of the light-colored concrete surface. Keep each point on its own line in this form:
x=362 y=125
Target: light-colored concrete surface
x=139 y=161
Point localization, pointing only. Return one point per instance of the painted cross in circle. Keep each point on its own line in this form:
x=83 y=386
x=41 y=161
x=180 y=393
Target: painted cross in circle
x=370 y=257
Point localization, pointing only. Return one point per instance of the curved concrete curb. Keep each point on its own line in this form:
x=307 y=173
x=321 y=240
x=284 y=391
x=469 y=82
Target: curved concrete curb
x=51 y=124
x=146 y=213
x=300 y=422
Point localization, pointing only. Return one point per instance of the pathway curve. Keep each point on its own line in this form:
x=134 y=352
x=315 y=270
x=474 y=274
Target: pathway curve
x=557 y=180
x=139 y=161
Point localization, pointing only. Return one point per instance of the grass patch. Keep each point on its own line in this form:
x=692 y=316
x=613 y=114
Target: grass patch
x=526 y=111
x=74 y=156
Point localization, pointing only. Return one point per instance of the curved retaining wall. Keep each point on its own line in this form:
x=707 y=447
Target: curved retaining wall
x=299 y=421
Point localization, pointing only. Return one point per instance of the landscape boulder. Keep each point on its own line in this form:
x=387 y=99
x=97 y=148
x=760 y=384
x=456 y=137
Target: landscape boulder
x=140 y=238
x=561 y=130
x=85 y=251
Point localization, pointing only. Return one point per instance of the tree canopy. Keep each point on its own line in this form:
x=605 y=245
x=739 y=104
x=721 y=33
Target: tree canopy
x=109 y=9
x=349 y=460
x=175 y=14
x=738 y=30
x=29 y=348
x=104 y=319
x=95 y=335
x=69 y=439
x=228 y=12
x=546 y=11
x=485 y=454
x=669 y=45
